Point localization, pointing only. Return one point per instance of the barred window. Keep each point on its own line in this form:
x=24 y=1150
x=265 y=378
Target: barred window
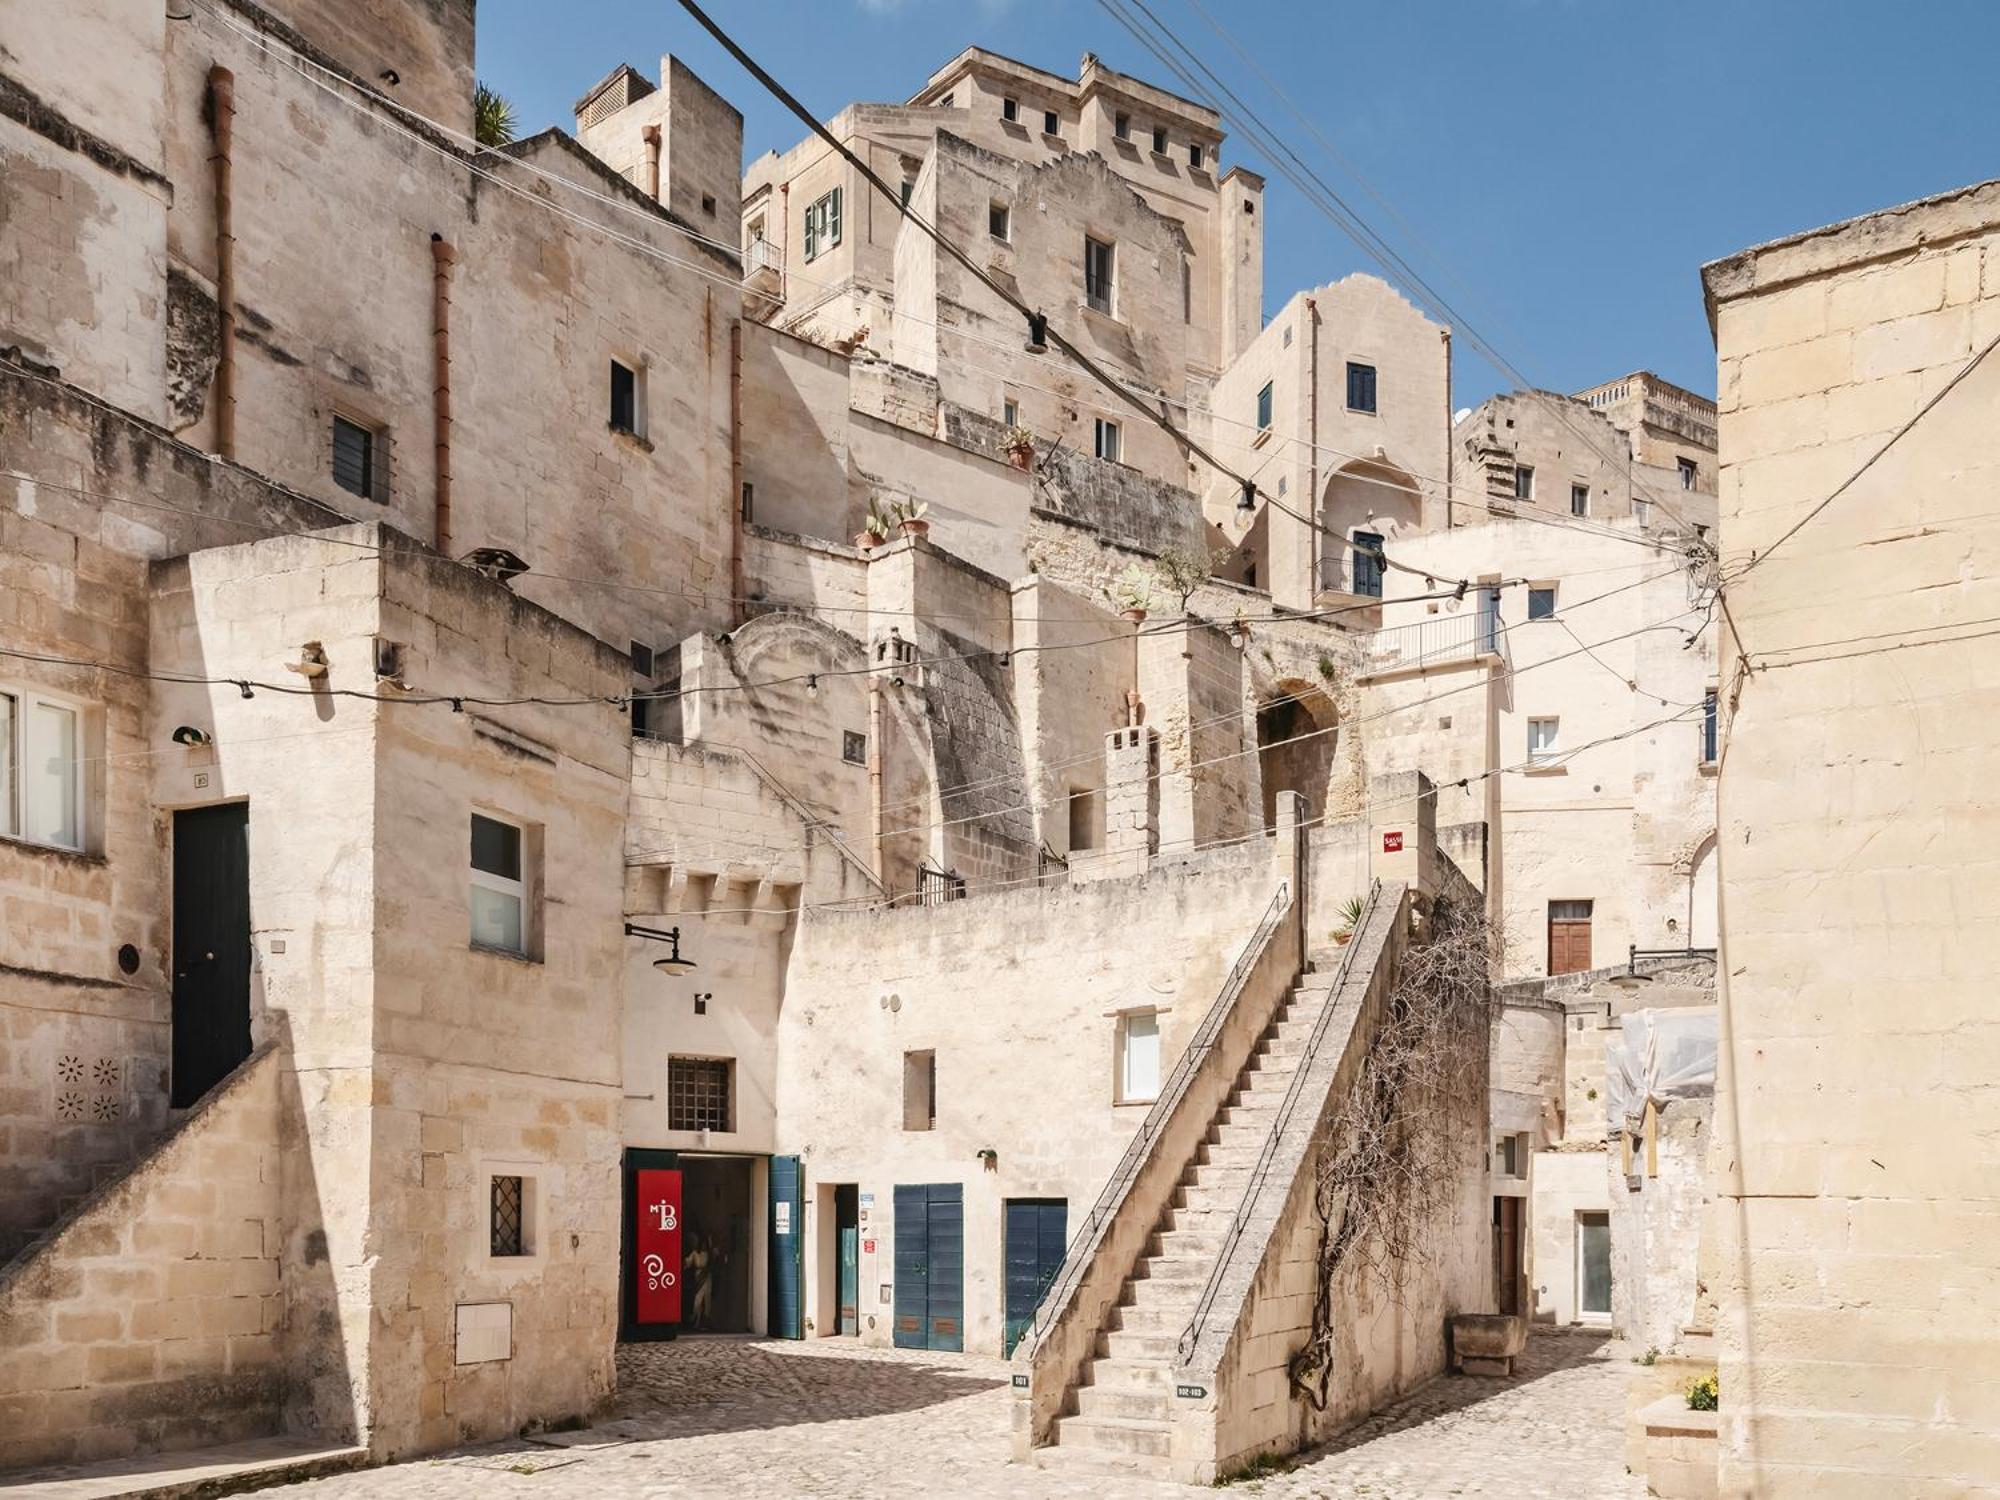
x=360 y=460
x=698 y=1093
x=506 y=1217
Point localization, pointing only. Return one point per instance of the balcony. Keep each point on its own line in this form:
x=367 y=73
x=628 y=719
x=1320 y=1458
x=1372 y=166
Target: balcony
x=1356 y=572
x=1445 y=640
x=764 y=266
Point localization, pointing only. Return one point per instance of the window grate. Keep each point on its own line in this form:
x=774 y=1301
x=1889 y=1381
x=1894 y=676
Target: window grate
x=507 y=1238
x=354 y=460
x=698 y=1093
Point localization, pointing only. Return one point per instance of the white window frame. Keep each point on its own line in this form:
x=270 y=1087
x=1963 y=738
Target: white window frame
x=1690 y=472
x=1547 y=752
x=1592 y=1316
x=1128 y=1093
x=1005 y=214
x=1579 y=492
x=1108 y=435
x=14 y=819
x=1555 y=601
x=1107 y=304
x=1521 y=491
x=822 y=224
x=1010 y=411
x=501 y=885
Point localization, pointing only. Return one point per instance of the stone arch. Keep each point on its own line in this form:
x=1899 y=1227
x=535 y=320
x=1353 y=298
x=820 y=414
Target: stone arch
x=1372 y=497
x=1703 y=922
x=1296 y=743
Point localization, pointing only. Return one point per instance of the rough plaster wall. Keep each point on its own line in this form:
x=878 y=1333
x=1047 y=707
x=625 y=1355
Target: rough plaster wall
x=1563 y=440
x=427 y=45
x=704 y=153
x=1656 y=1230
x=1069 y=695
x=1857 y=866
x=806 y=573
x=986 y=982
x=152 y=1319
x=1567 y=1181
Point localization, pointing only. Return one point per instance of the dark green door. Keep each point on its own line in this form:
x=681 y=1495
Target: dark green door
x=930 y=1266
x=787 y=1237
x=847 y=1242
x=1036 y=1234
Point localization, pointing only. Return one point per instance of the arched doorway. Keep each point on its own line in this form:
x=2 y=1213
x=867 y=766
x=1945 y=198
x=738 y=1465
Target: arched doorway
x=1295 y=746
x=1365 y=504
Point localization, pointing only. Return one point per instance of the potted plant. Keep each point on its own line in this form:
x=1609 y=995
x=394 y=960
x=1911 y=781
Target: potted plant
x=875 y=529
x=910 y=516
x=1133 y=593
x=1020 y=445
x=1350 y=917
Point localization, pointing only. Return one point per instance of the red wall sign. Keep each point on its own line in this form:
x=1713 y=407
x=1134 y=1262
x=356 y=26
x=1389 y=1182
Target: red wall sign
x=656 y=1248
x=1392 y=843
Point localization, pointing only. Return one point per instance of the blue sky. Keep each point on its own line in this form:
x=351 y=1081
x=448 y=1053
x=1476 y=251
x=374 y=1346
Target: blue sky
x=1558 y=169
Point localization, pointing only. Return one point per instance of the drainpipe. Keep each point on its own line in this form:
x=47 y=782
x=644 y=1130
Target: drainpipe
x=222 y=111
x=1450 y=439
x=651 y=136
x=877 y=755
x=1313 y=543
x=784 y=242
x=442 y=259
x=739 y=594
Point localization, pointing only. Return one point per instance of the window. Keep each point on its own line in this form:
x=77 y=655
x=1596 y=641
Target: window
x=1159 y=140
x=1642 y=511
x=1082 y=819
x=1511 y=1153
x=624 y=399
x=708 y=204
x=1010 y=109
x=1360 y=387
x=1368 y=564
x=1121 y=126
x=904 y=192
x=1524 y=481
x=41 y=769
x=1710 y=721
x=920 y=1090
x=1264 y=408
x=1569 y=936
x=1250 y=207
x=996 y=220
x=1010 y=412
x=1542 y=741
x=1051 y=123
x=642 y=660
x=1194 y=153
x=823 y=224
x=945 y=102
x=1593 y=1267
x=354 y=461
x=1139 y=1057
x=1107 y=440
x=1579 y=499
x=749 y=501
x=1097 y=266
x=698 y=1090
x=1542 y=602
x=507 y=1216
x=854 y=747
x=1690 y=472
x=499 y=892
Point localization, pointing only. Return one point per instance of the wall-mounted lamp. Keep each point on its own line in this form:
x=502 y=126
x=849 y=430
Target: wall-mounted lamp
x=673 y=963
x=1038 y=334
x=1246 y=502
x=192 y=737
x=989 y=1158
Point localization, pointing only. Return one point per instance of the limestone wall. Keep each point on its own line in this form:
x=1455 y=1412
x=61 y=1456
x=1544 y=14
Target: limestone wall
x=1573 y=1180
x=151 y=1318
x=1656 y=1227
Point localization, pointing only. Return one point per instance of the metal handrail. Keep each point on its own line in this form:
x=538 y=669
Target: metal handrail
x=1163 y=1107
x=1191 y=1335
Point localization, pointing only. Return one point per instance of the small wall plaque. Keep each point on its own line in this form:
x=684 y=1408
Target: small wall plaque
x=1191 y=1392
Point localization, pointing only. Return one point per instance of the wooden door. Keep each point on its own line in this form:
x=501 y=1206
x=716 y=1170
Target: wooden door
x=1569 y=936
x=930 y=1266
x=211 y=988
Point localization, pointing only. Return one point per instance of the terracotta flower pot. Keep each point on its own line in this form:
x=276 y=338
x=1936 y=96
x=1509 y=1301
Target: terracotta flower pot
x=1136 y=616
x=1021 y=456
x=915 y=527
x=866 y=540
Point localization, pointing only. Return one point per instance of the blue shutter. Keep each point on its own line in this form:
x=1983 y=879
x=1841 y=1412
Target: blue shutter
x=787 y=1237
x=1035 y=1242
x=912 y=1265
x=945 y=1313
x=1368 y=564
x=833 y=217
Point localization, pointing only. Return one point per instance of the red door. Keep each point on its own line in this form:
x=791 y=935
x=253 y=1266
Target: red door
x=656 y=1247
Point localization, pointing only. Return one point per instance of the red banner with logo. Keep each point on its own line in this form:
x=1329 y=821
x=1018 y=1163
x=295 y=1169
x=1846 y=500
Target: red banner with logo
x=656 y=1248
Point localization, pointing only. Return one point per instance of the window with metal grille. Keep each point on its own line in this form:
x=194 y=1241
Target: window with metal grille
x=507 y=1222
x=1360 y=387
x=354 y=460
x=698 y=1093
x=1097 y=265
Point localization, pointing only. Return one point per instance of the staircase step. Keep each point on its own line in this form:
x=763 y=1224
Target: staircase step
x=1115 y=1434
x=1162 y=1269
x=1199 y=1244
x=1132 y=1374
x=1158 y=1312
x=1118 y=1343
x=1106 y=1401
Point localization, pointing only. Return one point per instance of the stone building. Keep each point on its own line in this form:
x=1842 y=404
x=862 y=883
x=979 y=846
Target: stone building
x=499 y=858
x=1852 y=1162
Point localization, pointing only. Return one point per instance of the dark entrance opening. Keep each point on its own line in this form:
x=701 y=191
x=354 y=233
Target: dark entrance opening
x=211 y=988
x=1295 y=746
x=847 y=1256
x=1507 y=1270
x=716 y=1248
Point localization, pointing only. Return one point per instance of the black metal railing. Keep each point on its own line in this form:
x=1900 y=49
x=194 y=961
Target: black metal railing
x=1197 y=1049
x=937 y=886
x=1191 y=1335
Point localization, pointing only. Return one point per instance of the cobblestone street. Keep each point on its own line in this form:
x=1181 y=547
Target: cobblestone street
x=730 y=1418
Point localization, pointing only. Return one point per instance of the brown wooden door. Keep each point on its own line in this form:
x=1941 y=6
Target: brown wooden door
x=1507 y=1255
x=1569 y=936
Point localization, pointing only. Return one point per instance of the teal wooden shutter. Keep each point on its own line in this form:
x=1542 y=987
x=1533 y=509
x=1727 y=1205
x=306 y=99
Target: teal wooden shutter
x=787 y=1320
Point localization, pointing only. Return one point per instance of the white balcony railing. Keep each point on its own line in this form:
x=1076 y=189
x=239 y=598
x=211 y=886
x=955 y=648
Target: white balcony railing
x=1447 y=639
x=763 y=256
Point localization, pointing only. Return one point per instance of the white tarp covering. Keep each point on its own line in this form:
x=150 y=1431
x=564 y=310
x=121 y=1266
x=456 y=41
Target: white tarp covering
x=1660 y=1055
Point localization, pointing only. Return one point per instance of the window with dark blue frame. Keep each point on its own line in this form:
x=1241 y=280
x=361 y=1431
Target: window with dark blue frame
x=1264 y=408
x=1360 y=387
x=1368 y=564
x=1709 y=717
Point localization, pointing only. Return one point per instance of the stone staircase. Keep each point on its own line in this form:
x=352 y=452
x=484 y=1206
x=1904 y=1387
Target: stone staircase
x=1125 y=1398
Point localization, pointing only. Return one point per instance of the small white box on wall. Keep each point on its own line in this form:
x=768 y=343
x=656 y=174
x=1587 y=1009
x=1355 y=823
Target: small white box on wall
x=485 y=1332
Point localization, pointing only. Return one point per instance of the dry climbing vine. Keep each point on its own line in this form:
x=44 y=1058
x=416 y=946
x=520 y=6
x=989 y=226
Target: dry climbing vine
x=1394 y=1161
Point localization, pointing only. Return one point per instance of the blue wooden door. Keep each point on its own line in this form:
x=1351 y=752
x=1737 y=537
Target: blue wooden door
x=787 y=1238
x=930 y=1266
x=1036 y=1236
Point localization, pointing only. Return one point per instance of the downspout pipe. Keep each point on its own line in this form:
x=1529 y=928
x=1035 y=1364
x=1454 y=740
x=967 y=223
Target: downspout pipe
x=222 y=124
x=877 y=756
x=443 y=258
x=739 y=593
x=651 y=136
x=1314 y=543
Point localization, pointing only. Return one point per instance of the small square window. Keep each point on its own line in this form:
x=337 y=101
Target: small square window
x=1524 y=481
x=1542 y=741
x=920 y=1090
x=355 y=460
x=1108 y=440
x=854 y=747
x=997 y=220
x=1579 y=499
x=1264 y=408
x=1159 y=140
x=1194 y=153
x=499 y=887
x=1542 y=603
x=1360 y=387
x=507 y=1217
x=1051 y=123
x=1139 y=1057
x=624 y=398
x=698 y=1090
x=1121 y=126
x=1010 y=109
